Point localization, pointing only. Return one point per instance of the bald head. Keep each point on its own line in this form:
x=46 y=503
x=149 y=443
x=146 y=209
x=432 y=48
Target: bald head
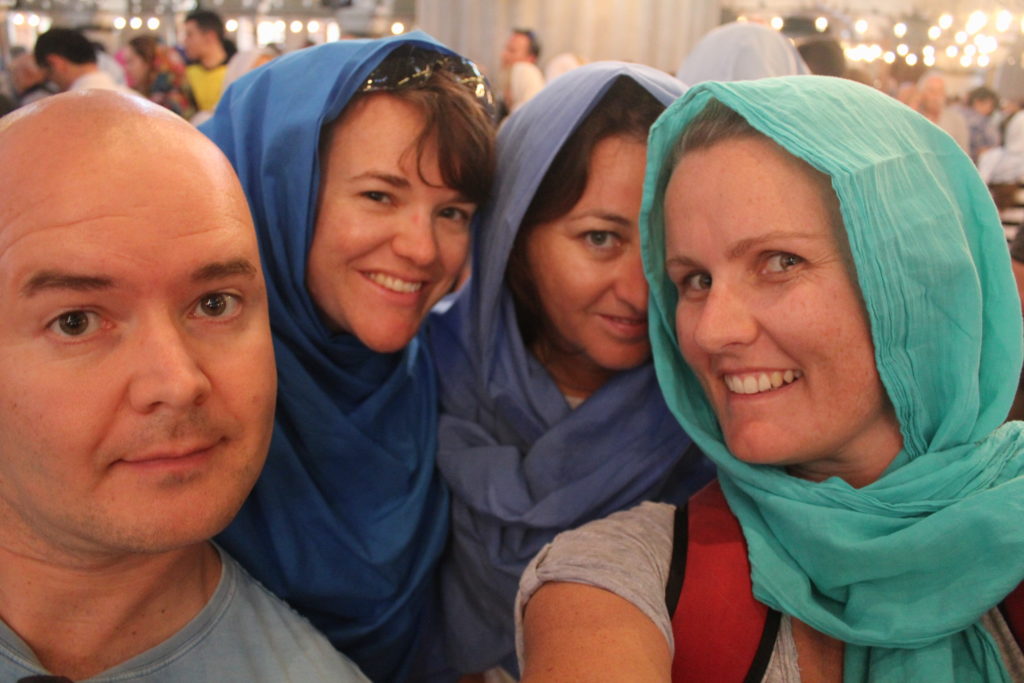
x=137 y=326
x=933 y=95
x=82 y=144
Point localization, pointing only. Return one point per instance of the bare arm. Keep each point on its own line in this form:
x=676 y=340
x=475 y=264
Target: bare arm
x=578 y=633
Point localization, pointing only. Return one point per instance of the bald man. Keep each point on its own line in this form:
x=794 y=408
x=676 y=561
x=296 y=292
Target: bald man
x=932 y=103
x=136 y=399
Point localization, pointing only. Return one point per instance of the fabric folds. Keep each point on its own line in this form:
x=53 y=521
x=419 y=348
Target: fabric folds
x=521 y=464
x=901 y=569
x=741 y=51
x=349 y=516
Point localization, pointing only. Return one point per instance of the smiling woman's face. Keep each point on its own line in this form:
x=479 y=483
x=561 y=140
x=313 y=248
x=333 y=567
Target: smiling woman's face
x=390 y=236
x=588 y=276
x=768 y=317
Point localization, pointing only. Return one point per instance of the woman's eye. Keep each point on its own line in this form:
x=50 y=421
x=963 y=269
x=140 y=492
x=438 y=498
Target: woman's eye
x=375 y=196
x=75 y=323
x=216 y=305
x=599 y=238
x=454 y=213
x=781 y=262
x=696 y=282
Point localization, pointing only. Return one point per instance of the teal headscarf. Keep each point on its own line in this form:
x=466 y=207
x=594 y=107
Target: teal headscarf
x=900 y=570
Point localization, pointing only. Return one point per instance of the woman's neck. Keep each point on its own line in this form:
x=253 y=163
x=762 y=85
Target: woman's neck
x=573 y=371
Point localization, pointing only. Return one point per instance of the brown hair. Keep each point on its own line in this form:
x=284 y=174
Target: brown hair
x=716 y=123
x=145 y=47
x=462 y=129
x=625 y=110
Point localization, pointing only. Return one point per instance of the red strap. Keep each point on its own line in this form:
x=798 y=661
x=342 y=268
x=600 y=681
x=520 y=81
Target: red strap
x=718 y=625
x=1013 y=611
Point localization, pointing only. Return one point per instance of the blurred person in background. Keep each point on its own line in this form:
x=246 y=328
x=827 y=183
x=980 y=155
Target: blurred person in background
x=69 y=61
x=30 y=84
x=208 y=52
x=933 y=104
x=522 y=77
x=824 y=57
x=157 y=72
x=982 y=118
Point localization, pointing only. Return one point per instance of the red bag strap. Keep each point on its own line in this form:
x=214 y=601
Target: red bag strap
x=722 y=634
x=1013 y=611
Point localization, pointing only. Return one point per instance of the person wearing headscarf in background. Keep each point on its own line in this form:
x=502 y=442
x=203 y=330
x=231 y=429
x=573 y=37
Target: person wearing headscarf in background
x=158 y=72
x=363 y=162
x=1005 y=164
x=814 y=228
x=741 y=51
x=551 y=414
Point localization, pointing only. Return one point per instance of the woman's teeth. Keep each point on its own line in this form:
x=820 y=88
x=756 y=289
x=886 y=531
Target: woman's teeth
x=395 y=284
x=761 y=382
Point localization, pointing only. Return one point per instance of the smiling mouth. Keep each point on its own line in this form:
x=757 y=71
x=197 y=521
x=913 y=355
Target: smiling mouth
x=395 y=284
x=761 y=382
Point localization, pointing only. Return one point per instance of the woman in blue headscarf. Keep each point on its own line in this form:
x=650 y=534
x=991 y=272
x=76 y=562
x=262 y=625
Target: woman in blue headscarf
x=835 y=322
x=363 y=162
x=551 y=415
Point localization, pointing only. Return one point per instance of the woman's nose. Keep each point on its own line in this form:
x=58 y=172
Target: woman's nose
x=630 y=283
x=725 y=318
x=415 y=238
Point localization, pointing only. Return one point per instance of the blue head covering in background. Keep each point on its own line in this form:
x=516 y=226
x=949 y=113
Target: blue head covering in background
x=741 y=51
x=521 y=464
x=902 y=569
x=349 y=516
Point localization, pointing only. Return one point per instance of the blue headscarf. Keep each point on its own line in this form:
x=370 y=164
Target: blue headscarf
x=902 y=569
x=349 y=516
x=521 y=464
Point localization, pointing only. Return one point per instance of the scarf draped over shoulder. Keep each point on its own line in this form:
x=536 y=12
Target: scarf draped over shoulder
x=902 y=569
x=521 y=464
x=349 y=516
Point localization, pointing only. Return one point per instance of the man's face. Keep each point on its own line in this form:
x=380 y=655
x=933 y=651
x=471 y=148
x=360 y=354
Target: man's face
x=136 y=367
x=194 y=40
x=517 y=49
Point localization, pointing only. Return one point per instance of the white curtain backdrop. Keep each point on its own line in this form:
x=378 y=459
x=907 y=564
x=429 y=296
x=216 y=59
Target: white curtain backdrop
x=655 y=32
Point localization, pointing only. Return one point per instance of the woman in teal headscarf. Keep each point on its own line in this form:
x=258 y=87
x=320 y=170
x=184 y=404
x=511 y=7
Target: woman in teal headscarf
x=834 y=321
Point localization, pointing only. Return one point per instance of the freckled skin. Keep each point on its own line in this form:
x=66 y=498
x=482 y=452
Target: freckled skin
x=763 y=288
x=381 y=215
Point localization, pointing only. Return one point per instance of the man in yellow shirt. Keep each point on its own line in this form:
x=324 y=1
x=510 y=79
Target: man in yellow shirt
x=204 y=46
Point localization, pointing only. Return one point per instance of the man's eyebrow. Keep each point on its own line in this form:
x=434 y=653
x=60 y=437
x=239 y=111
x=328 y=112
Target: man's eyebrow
x=54 y=279
x=224 y=269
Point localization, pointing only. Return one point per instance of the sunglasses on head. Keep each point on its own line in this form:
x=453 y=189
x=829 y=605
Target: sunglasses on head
x=410 y=65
